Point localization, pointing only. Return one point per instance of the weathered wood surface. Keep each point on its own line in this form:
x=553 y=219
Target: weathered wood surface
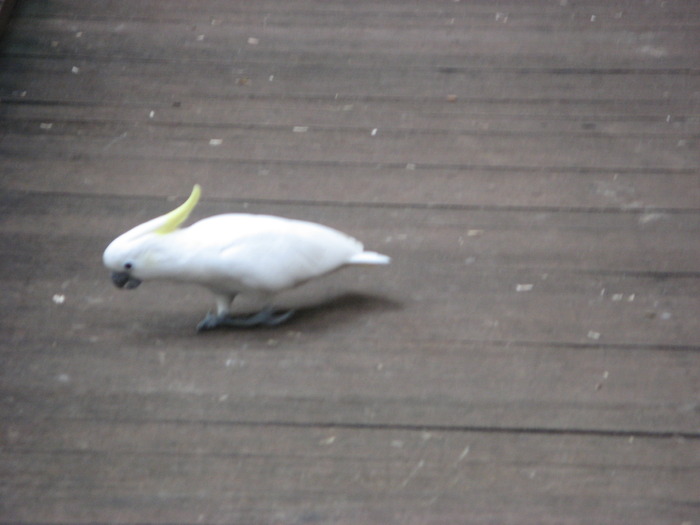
x=530 y=356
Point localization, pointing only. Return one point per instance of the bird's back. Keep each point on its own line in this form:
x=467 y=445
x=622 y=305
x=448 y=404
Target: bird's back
x=270 y=253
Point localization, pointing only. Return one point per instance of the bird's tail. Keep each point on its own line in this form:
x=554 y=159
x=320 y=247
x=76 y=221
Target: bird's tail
x=370 y=258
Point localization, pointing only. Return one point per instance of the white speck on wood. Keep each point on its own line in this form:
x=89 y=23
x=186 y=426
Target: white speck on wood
x=412 y=474
x=234 y=362
x=651 y=217
x=115 y=140
x=654 y=52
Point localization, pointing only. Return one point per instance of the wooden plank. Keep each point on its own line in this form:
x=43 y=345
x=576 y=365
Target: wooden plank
x=129 y=81
x=337 y=475
x=611 y=313
x=648 y=196
x=478 y=62
x=494 y=171
x=531 y=354
x=467 y=387
x=373 y=148
x=457 y=39
x=575 y=118
x=437 y=121
x=534 y=14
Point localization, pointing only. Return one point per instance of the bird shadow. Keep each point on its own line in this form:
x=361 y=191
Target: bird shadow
x=340 y=308
x=313 y=312
x=318 y=313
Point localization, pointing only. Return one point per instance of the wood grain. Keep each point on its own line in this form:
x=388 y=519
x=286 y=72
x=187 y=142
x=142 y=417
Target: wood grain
x=530 y=355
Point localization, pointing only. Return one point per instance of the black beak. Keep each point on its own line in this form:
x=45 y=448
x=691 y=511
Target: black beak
x=125 y=280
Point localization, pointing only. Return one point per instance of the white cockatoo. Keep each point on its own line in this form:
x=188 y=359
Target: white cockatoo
x=231 y=254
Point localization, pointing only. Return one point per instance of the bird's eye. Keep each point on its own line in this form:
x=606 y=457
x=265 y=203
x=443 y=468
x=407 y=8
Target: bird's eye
x=128 y=266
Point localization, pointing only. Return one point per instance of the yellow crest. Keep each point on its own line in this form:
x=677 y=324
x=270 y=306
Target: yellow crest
x=176 y=217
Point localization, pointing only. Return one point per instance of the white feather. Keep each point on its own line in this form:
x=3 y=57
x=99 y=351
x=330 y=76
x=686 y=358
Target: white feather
x=370 y=258
x=232 y=254
x=240 y=253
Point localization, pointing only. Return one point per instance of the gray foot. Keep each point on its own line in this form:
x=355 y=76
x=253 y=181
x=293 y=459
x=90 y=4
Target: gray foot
x=266 y=317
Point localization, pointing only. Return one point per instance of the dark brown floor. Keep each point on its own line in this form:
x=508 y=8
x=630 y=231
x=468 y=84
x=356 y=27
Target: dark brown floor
x=532 y=355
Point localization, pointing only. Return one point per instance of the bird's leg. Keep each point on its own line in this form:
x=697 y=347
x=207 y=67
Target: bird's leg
x=265 y=317
x=223 y=318
x=223 y=308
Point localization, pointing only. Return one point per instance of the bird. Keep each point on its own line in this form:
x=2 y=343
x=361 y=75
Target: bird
x=233 y=254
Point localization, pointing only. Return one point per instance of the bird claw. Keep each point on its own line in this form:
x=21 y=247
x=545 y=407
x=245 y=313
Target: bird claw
x=209 y=322
x=266 y=317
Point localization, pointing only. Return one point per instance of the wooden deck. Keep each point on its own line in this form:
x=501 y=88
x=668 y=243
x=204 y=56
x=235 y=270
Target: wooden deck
x=532 y=355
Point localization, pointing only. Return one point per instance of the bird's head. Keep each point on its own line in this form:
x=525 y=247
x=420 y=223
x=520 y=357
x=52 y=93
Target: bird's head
x=129 y=255
x=125 y=257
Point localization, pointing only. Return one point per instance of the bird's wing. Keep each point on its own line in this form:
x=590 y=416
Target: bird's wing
x=272 y=253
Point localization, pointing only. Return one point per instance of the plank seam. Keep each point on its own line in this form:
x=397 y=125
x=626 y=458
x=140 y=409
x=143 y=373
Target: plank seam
x=627 y=210
x=478 y=429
